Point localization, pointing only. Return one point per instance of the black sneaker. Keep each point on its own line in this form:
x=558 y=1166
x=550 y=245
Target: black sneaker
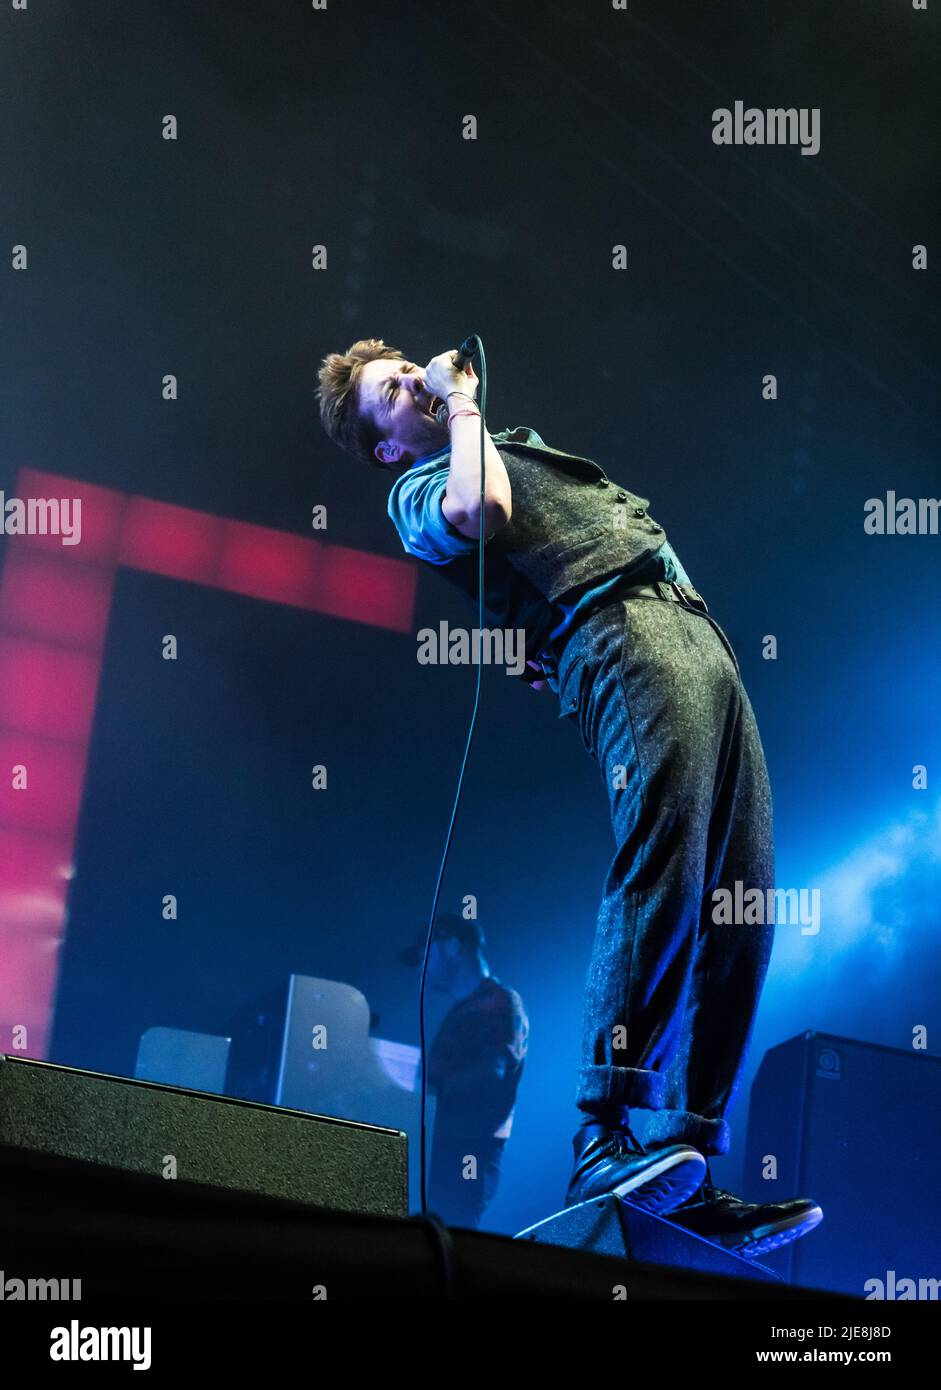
x=746 y=1228
x=611 y=1160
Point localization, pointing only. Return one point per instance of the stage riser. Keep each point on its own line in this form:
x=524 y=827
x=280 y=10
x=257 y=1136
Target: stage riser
x=129 y=1237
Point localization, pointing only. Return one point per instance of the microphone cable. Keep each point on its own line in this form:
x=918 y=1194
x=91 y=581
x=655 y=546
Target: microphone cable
x=467 y=747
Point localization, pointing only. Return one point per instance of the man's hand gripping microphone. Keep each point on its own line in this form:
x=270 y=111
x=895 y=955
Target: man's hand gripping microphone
x=451 y=371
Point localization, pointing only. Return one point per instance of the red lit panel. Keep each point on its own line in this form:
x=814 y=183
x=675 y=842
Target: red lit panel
x=53 y=624
x=34 y=878
x=43 y=595
x=29 y=964
x=367 y=588
x=46 y=689
x=101 y=513
x=55 y=772
x=269 y=564
x=175 y=541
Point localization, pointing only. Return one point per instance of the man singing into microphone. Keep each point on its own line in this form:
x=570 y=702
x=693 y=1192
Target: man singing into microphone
x=653 y=688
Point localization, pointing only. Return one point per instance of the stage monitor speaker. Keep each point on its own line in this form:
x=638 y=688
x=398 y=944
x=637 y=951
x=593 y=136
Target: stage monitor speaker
x=609 y=1226
x=857 y=1127
x=277 y=1057
x=141 y=1127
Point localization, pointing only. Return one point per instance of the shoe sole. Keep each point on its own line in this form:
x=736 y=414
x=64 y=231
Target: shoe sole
x=765 y=1239
x=666 y=1184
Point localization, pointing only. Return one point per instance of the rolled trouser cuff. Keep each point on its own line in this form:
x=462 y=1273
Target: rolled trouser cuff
x=611 y=1086
x=657 y=1128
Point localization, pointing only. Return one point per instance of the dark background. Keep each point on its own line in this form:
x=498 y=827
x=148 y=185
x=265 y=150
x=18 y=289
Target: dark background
x=343 y=127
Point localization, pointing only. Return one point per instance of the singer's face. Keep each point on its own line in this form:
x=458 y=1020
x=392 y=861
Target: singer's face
x=393 y=394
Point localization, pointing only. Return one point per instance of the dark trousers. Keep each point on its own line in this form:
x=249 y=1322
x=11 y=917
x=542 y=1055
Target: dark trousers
x=654 y=690
x=460 y=1190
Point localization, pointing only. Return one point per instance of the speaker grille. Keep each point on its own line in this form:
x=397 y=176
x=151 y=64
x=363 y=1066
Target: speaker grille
x=142 y=1127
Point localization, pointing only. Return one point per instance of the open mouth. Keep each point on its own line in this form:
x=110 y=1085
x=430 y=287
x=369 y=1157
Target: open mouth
x=433 y=406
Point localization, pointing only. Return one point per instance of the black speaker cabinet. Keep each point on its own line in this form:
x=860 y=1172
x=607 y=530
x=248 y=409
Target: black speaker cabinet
x=858 y=1128
x=141 y=1127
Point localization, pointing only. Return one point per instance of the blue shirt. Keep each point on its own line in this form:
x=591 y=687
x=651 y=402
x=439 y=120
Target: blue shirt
x=415 y=508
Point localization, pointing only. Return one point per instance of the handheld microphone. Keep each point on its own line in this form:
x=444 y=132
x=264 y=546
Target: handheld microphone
x=468 y=349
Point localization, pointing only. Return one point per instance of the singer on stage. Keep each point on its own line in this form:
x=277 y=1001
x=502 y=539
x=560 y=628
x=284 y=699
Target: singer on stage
x=651 y=684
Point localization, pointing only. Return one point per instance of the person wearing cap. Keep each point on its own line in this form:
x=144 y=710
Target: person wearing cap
x=474 y=1067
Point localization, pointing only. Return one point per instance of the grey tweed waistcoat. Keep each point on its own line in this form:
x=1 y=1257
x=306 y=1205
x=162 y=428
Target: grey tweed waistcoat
x=570 y=526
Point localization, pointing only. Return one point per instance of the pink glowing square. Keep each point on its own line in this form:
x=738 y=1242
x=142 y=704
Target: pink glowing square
x=176 y=541
x=101 y=513
x=29 y=964
x=44 y=595
x=35 y=870
x=367 y=588
x=269 y=564
x=46 y=689
x=54 y=771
